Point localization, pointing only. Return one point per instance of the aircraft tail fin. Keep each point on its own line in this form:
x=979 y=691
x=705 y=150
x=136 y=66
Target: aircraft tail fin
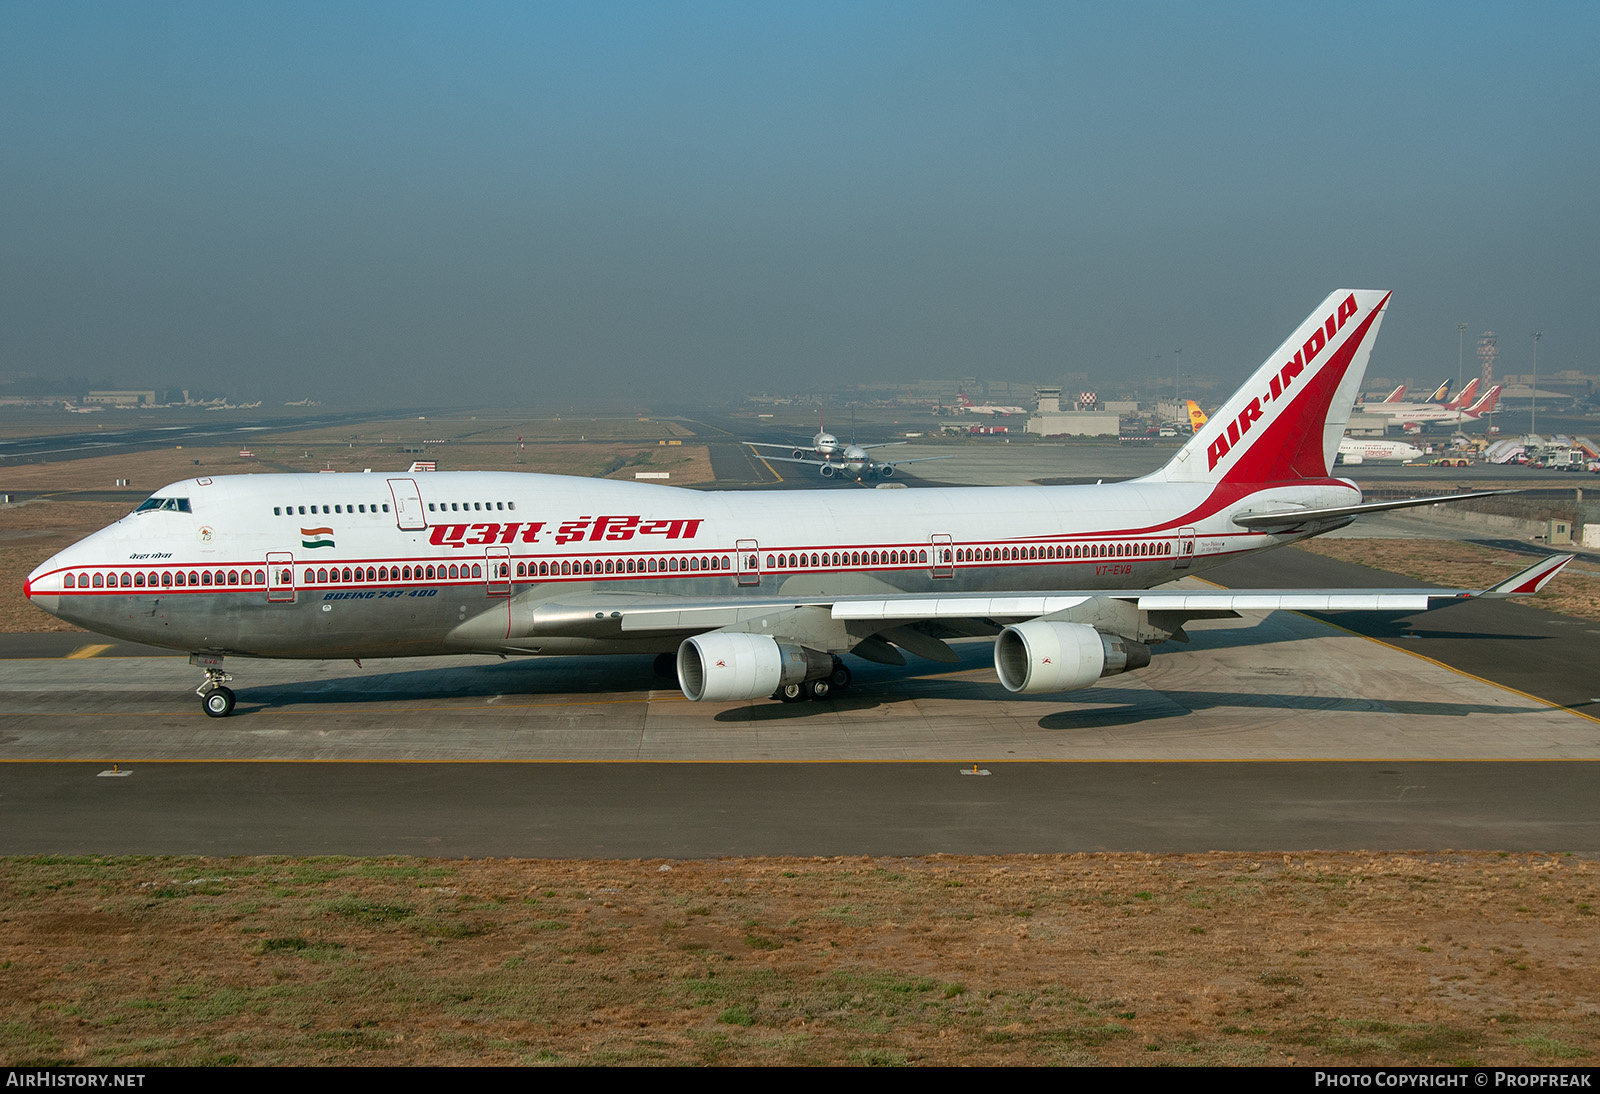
x=1396 y=395
x=1465 y=396
x=1440 y=393
x=1197 y=417
x=1484 y=405
x=1285 y=423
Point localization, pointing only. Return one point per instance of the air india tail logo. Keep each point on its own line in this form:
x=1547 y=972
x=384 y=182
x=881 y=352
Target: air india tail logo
x=1280 y=382
x=316 y=537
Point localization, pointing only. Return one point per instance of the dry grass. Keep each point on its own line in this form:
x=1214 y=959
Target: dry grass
x=1114 y=959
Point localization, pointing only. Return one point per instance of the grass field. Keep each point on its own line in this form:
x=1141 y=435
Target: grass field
x=1230 y=959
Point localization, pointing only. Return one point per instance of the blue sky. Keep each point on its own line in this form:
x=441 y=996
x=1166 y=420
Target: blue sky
x=527 y=202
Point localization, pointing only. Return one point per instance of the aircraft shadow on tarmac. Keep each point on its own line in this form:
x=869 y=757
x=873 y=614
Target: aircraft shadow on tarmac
x=1394 y=627
x=1177 y=704
x=522 y=677
x=626 y=678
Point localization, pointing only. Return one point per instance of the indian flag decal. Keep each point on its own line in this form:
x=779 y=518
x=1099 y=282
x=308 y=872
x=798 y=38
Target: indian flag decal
x=316 y=537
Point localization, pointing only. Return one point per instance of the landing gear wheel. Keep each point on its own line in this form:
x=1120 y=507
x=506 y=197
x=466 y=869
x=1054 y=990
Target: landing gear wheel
x=791 y=693
x=840 y=676
x=218 y=702
x=819 y=689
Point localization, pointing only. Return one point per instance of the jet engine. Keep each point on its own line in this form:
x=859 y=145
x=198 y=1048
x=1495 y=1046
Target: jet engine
x=726 y=665
x=1043 y=656
x=1348 y=458
x=827 y=470
x=887 y=470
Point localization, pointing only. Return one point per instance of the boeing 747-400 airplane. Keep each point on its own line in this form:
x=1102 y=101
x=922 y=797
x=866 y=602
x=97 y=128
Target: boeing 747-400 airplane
x=756 y=593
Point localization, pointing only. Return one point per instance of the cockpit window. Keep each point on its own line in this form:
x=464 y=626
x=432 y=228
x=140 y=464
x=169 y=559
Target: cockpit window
x=175 y=505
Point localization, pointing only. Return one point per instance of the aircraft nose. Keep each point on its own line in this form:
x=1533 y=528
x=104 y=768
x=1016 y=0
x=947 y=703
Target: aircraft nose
x=42 y=586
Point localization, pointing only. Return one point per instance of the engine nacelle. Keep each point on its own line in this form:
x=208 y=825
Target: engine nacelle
x=887 y=470
x=827 y=470
x=726 y=665
x=1042 y=656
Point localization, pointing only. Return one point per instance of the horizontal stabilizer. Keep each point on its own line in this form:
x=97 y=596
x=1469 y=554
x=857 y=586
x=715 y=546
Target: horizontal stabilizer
x=1291 y=518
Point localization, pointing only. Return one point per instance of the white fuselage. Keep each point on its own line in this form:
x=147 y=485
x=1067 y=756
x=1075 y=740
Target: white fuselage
x=364 y=565
x=1377 y=450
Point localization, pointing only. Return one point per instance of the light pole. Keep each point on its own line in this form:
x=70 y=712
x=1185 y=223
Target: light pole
x=1461 y=357
x=1533 y=423
x=1177 y=371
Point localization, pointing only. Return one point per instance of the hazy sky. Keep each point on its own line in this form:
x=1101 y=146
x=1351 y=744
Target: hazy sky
x=466 y=202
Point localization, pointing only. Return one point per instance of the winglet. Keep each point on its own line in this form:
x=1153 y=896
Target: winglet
x=1531 y=580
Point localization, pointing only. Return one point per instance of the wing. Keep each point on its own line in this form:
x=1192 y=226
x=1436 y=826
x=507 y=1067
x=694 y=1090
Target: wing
x=815 y=461
x=747 y=648
x=806 y=447
x=1284 y=519
x=914 y=459
x=678 y=614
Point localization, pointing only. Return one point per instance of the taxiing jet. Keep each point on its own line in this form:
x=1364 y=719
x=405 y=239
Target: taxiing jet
x=750 y=594
x=851 y=462
x=824 y=446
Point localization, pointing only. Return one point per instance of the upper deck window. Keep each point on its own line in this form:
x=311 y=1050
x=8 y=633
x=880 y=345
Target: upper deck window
x=175 y=505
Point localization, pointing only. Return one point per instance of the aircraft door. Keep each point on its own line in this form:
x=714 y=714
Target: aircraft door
x=408 y=512
x=1181 y=560
x=748 y=568
x=497 y=571
x=280 y=577
x=944 y=554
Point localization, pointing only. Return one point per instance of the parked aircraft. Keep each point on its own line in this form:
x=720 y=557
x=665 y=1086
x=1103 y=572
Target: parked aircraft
x=1354 y=450
x=1197 y=417
x=1440 y=398
x=967 y=406
x=757 y=593
x=1421 y=414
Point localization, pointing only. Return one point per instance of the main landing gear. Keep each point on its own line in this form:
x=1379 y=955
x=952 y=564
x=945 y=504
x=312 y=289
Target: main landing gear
x=216 y=698
x=820 y=688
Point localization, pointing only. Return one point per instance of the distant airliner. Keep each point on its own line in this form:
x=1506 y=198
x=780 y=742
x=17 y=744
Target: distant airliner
x=757 y=593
